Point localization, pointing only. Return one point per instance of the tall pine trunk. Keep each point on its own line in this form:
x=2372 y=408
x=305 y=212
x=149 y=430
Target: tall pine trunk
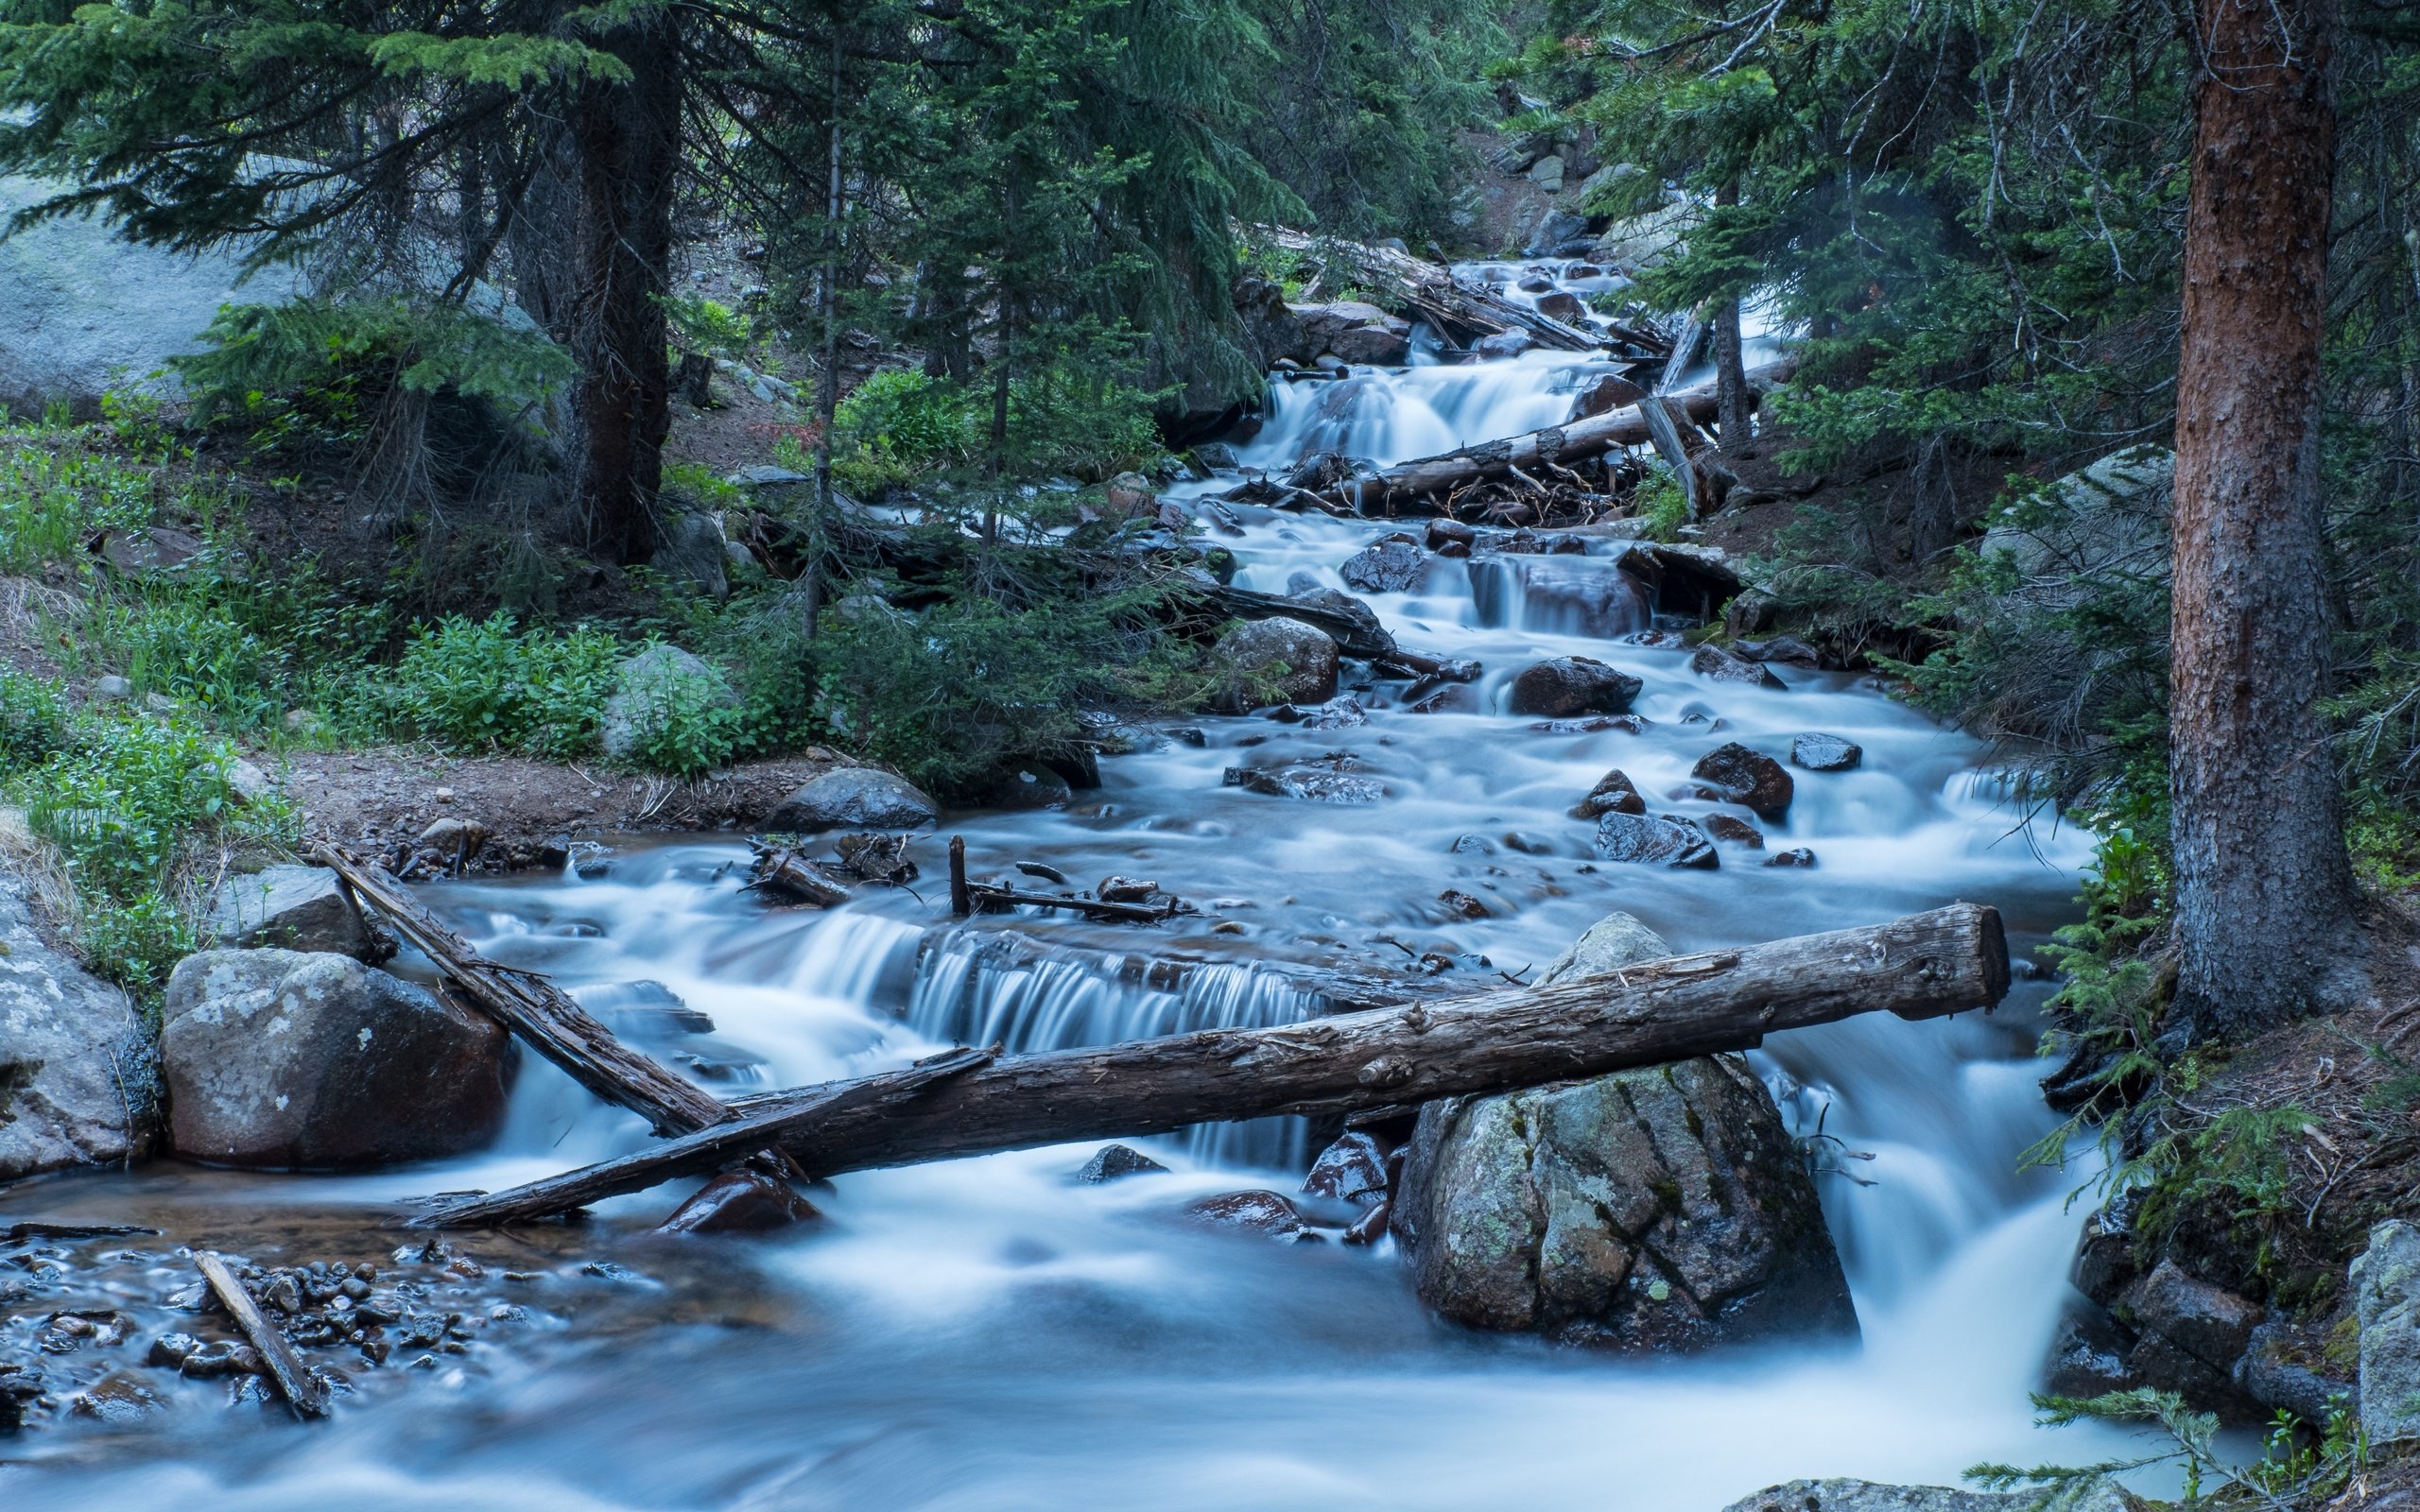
x=627 y=138
x=2264 y=891
x=1732 y=405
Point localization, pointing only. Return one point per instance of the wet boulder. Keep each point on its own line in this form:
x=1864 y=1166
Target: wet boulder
x=1279 y=660
x=1614 y=793
x=2189 y=1336
x=1353 y=1169
x=295 y=908
x=742 y=1201
x=1568 y=686
x=1502 y=345
x=1616 y=941
x=1825 y=754
x=1732 y=830
x=287 y=1061
x=1605 y=394
x=1394 y=565
x=1795 y=856
x=78 y=1081
x=1714 y=663
x=1748 y=777
x=1658 y=1209
x=1336 y=779
x=1112 y=1162
x=1360 y=333
x=1316 y=595
x=1642 y=840
x=1563 y=305
x=1260 y=1212
x=854 y=798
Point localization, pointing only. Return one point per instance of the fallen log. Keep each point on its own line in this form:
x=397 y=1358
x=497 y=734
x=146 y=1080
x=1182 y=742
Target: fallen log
x=708 y=1149
x=306 y=1392
x=1422 y=480
x=988 y=897
x=1918 y=966
x=781 y=870
x=534 y=1008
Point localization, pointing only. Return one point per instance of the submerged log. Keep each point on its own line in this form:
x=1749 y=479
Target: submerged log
x=781 y=870
x=534 y=1008
x=1919 y=966
x=306 y=1392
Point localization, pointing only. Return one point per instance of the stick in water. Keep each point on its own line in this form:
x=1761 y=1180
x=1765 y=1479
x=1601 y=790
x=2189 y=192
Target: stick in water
x=304 y=1391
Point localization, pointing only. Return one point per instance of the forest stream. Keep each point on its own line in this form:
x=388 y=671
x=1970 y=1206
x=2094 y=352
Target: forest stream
x=987 y=1332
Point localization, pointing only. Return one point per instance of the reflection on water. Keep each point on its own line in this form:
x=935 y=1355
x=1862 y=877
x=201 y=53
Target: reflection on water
x=985 y=1334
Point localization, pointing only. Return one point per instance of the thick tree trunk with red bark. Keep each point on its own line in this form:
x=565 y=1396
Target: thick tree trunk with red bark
x=2264 y=892
x=627 y=137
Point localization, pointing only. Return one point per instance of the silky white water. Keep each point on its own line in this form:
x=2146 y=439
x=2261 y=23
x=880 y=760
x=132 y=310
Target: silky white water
x=984 y=1335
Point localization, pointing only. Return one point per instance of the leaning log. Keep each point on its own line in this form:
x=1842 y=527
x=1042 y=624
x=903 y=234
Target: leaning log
x=534 y=1008
x=304 y=1392
x=1919 y=966
x=1414 y=485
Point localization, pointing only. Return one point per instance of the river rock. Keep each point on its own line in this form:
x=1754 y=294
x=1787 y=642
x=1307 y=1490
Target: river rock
x=1715 y=662
x=1614 y=793
x=1616 y=941
x=1315 y=595
x=654 y=687
x=78 y=1081
x=1825 y=754
x=1732 y=830
x=1333 y=781
x=1353 y=1169
x=1656 y=1210
x=2096 y=1495
x=1605 y=394
x=2278 y=1371
x=1797 y=855
x=1112 y=1162
x=295 y=908
x=1394 y=565
x=1748 y=777
x=2386 y=1292
x=1288 y=660
x=1637 y=840
x=1131 y=496
x=1503 y=345
x=854 y=798
x=1563 y=305
x=1568 y=686
x=1360 y=333
x=742 y=1201
x=287 y=1061
x=1261 y=1213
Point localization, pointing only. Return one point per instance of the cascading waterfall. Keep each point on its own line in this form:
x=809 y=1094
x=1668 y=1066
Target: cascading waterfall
x=985 y=1334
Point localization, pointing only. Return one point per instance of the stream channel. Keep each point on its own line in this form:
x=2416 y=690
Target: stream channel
x=988 y=1335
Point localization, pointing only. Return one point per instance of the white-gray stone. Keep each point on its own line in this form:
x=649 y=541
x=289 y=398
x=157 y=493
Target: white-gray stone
x=653 y=686
x=695 y=551
x=2386 y=1290
x=290 y=1060
x=78 y=1083
x=82 y=312
x=295 y=908
x=2108 y=518
x=2097 y=1494
x=1284 y=660
x=1616 y=941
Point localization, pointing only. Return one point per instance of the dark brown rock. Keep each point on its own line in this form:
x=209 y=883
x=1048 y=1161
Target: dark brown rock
x=1733 y=829
x=1392 y=565
x=1614 y=793
x=1795 y=856
x=1569 y=686
x=1353 y=1169
x=1604 y=395
x=739 y=1202
x=1748 y=777
x=1260 y=1212
x=1112 y=1162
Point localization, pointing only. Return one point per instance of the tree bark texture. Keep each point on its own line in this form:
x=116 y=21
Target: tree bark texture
x=627 y=139
x=2264 y=891
x=1919 y=966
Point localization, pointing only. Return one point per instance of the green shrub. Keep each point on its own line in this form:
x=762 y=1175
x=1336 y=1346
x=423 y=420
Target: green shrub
x=57 y=487
x=33 y=721
x=670 y=713
x=482 y=686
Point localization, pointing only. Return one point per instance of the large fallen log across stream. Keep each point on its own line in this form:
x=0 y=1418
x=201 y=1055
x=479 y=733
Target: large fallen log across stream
x=1919 y=966
x=1423 y=480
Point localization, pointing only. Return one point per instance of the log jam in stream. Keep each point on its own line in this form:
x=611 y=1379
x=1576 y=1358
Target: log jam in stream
x=989 y=1333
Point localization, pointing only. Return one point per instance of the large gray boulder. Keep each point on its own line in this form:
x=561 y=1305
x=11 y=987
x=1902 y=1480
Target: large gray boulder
x=294 y=908
x=695 y=551
x=2386 y=1291
x=854 y=798
x=288 y=1061
x=82 y=312
x=1284 y=660
x=653 y=687
x=2108 y=518
x=78 y=1083
x=1360 y=333
x=1663 y=1208
x=2095 y=1495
